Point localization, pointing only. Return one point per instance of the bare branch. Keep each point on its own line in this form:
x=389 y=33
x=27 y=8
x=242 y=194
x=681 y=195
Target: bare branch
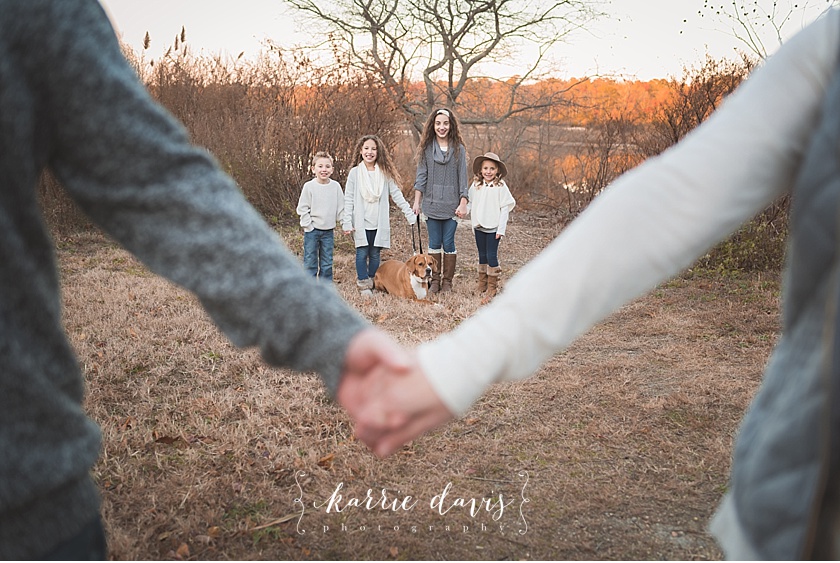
x=444 y=42
x=762 y=25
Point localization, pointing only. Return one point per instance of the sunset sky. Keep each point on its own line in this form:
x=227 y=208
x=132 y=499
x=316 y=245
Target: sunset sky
x=642 y=38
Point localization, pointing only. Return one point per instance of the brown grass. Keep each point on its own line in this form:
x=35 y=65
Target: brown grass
x=625 y=437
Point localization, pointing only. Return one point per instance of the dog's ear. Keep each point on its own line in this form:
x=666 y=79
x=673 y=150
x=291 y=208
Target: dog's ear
x=431 y=262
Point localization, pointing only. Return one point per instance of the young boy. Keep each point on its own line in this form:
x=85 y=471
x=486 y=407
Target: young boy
x=321 y=204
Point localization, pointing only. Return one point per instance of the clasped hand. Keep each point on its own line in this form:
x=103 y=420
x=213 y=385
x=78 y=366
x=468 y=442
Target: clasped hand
x=386 y=393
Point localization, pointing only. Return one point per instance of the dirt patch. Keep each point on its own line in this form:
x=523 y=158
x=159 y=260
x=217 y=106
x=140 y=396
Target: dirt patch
x=618 y=448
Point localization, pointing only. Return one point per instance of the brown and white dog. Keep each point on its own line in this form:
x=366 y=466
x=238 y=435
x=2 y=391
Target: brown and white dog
x=409 y=279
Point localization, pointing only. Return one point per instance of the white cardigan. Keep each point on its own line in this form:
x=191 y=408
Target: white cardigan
x=649 y=225
x=354 y=211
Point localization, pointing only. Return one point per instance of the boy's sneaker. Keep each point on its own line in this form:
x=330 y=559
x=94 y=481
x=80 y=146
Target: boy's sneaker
x=365 y=287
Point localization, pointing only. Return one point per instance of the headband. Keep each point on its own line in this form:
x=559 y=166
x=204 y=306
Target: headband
x=443 y=111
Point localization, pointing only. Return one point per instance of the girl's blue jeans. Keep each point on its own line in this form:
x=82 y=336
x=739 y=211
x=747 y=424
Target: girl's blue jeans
x=488 y=248
x=441 y=233
x=318 y=248
x=367 y=257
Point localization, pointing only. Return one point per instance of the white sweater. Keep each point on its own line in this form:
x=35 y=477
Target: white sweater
x=320 y=206
x=490 y=206
x=649 y=225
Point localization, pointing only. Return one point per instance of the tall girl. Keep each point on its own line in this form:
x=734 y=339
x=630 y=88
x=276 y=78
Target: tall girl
x=442 y=186
x=366 y=207
x=490 y=203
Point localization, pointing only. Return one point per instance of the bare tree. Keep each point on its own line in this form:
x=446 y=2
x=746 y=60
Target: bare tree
x=693 y=99
x=761 y=24
x=446 y=42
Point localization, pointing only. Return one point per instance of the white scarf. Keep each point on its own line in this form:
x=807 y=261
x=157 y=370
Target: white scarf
x=371 y=184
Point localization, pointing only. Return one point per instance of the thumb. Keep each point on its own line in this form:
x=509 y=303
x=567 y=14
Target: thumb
x=371 y=347
x=390 y=353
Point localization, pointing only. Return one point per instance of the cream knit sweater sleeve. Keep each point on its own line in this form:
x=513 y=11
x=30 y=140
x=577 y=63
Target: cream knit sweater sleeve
x=649 y=225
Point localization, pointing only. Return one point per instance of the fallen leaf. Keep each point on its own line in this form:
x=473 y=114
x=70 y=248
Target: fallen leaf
x=183 y=551
x=169 y=440
x=394 y=552
x=382 y=318
x=326 y=461
x=214 y=531
x=471 y=421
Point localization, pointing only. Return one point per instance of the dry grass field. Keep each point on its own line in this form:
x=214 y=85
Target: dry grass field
x=618 y=448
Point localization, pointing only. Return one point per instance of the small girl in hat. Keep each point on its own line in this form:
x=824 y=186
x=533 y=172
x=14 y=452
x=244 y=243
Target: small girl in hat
x=490 y=203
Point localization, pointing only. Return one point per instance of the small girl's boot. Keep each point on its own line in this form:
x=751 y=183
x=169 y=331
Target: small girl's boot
x=482 y=278
x=493 y=273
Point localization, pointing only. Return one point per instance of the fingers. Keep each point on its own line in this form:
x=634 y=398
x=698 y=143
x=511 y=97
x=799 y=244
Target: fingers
x=372 y=357
x=390 y=442
x=403 y=409
x=387 y=394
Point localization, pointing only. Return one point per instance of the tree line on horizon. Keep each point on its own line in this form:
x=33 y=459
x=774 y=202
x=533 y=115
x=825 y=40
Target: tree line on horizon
x=263 y=120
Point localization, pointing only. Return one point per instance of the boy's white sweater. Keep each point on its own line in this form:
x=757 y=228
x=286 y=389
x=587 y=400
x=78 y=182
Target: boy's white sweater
x=320 y=206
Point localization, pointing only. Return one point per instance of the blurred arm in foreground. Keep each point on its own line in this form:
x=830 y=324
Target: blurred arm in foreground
x=70 y=102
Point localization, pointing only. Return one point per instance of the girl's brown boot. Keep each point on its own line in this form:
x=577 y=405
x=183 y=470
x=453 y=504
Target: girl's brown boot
x=482 y=278
x=434 y=285
x=493 y=273
x=449 y=261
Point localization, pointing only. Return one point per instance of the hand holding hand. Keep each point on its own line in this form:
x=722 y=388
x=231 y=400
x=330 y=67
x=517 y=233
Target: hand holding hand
x=386 y=393
x=404 y=408
x=372 y=357
x=461 y=211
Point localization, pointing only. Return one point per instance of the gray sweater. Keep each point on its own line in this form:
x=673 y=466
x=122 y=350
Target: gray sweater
x=442 y=179
x=70 y=102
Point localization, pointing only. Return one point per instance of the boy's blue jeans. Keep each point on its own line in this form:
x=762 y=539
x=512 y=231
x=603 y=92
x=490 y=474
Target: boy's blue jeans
x=318 y=245
x=367 y=257
x=442 y=233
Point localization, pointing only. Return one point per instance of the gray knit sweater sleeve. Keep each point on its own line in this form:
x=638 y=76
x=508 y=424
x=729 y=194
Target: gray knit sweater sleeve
x=132 y=168
x=70 y=102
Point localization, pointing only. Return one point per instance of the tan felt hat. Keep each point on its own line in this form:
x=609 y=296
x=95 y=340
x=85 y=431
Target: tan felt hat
x=477 y=161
